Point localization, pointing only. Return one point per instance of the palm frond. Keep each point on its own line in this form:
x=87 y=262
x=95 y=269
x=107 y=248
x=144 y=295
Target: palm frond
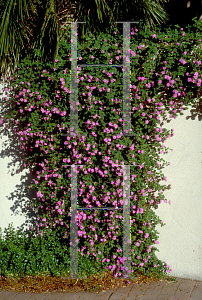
x=12 y=34
x=31 y=24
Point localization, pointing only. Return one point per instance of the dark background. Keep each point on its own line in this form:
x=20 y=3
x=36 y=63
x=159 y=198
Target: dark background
x=182 y=12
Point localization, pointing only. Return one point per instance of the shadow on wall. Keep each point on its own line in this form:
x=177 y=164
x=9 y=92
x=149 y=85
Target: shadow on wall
x=195 y=108
x=22 y=196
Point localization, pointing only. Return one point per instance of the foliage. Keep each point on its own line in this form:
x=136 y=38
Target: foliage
x=38 y=263
x=35 y=24
x=39 y=97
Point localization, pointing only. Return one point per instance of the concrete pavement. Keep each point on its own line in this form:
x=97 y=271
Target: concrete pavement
x=181 y=289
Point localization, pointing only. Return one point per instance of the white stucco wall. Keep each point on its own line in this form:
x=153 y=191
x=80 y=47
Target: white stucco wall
x=8 y=183
x=181 y=238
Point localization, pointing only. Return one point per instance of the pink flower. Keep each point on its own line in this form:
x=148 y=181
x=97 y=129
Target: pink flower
x=154 y=35
x=63 y=113
x=39 y=194
x=182 y=61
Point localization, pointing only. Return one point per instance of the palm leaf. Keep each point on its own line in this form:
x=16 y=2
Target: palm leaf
x=12 y=33
x=33 y=24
